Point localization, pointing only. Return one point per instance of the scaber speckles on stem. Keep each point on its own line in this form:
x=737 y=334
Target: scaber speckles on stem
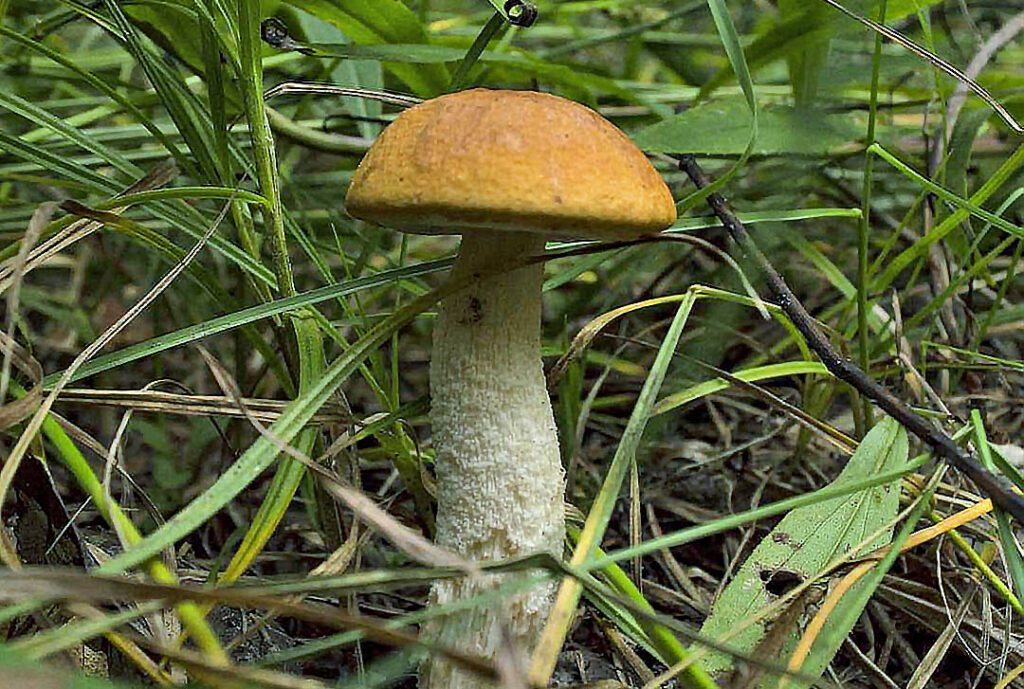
x=474 y=311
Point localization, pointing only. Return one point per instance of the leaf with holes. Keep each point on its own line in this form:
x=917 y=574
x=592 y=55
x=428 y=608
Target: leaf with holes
x=800 y=546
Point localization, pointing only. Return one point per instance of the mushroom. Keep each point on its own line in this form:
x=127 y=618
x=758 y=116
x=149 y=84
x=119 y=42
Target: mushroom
x=506 y=170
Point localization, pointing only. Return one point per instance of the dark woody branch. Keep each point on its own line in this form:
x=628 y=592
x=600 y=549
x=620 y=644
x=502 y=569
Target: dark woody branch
x=995 y=487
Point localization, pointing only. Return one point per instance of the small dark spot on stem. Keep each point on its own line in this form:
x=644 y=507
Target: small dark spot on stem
x=474 y=312
x=779 y=582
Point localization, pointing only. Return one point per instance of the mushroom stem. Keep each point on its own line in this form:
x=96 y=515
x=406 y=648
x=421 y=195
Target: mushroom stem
x=500 y=483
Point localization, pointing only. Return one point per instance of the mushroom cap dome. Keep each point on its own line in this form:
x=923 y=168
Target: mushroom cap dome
x=509 y=160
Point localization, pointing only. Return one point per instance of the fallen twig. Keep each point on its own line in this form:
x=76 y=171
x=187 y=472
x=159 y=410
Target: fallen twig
x=994 y=486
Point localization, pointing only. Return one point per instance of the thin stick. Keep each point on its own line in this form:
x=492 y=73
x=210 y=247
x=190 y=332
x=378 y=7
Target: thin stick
x=995 y=487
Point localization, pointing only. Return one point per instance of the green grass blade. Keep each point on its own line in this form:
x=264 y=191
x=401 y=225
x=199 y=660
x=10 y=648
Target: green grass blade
x=194 y=333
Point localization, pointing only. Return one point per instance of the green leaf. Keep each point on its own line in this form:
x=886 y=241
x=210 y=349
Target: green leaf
x=723 y=128
x=804 y=542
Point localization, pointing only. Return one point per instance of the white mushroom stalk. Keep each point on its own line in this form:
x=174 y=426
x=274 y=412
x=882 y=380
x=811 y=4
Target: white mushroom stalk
x=500 y=481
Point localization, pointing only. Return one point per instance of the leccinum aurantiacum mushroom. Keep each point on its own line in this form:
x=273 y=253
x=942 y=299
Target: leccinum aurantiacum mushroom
x=505 y=169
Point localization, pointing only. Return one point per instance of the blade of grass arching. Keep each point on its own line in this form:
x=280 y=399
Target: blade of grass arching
x=194 y=333
x=262 y=453
x=111 y=511
x=1007 y=540
x=586 y=334
x=182 y=217
x=546 y=655
x=703 y=222
x=734 y=50
x=750 y=375
x=99 y=84
x=190 y=193
x=696 y=533
x=920 y=248
x=945 y=194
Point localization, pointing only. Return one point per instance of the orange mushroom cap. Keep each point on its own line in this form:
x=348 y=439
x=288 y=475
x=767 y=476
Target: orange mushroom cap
x=509 y=160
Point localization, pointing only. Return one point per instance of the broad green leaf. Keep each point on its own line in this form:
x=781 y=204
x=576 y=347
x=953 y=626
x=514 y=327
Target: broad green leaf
x=803 y=543
x=723 y=128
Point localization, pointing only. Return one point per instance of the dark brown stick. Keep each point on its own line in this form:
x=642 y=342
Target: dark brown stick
x=995 y=487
